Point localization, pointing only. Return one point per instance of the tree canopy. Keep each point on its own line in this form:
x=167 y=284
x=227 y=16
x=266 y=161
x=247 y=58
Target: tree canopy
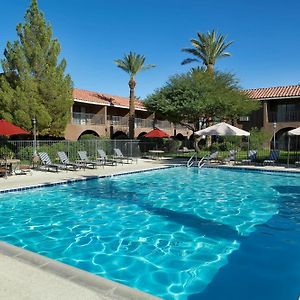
x=33 y=84
x=200 y=96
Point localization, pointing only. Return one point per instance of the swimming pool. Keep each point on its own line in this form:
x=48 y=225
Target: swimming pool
x=177 y=233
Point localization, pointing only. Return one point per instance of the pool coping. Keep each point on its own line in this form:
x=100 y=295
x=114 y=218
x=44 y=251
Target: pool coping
x=98 y=284
x=264 y=169
x=261 y=169
x=91 y=177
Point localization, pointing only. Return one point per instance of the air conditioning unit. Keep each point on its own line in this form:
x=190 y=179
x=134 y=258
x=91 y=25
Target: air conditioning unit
x=244 y=119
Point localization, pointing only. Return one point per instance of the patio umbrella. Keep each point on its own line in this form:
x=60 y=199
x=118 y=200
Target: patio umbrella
x=9 y=129
x=293 y=132
x=156 y=133
x=222 y=129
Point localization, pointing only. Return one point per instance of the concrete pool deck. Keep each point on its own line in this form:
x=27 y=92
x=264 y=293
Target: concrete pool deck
x=26 y=275
x=43 y=177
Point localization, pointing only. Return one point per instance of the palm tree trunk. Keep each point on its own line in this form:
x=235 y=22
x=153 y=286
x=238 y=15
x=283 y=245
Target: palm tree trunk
x=131 y=124
x=210 y=68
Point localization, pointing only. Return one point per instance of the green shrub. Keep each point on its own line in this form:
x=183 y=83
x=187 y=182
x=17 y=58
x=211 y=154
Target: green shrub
x=6 y=151
x=259 y=139
x=89 y=136
x=172 y=145
x=25 y=153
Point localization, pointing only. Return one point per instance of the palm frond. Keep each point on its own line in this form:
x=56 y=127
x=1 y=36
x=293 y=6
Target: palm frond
x=208 y=47
x=147 y=67
x=189 y=60
x=132 y=63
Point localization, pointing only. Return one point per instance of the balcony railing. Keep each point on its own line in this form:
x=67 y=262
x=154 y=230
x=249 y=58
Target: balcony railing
x=94 y=119
x=143 y=123
x=182 y=127
x=292 y=116
x=117 y=120
x=163 y=124
x=87 y=119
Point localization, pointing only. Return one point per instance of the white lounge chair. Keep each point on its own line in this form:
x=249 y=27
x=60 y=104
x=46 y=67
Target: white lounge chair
x=64 y=159
x=47 y=163
x=105 y=159
x=274 y=155
x=120 y=157
x=87 y=162
x=251 y=157
x=231 y=156
x=211 y=157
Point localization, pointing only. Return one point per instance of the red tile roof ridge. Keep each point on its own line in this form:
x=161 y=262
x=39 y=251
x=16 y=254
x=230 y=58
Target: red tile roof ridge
x=274 y=92
x=99 y=93
x=103 y=98
x=273 y=87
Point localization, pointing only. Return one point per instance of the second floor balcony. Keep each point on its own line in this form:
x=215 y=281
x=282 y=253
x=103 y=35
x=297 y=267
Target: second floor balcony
x=97 y=119
x=291 y=116
x=87 y=119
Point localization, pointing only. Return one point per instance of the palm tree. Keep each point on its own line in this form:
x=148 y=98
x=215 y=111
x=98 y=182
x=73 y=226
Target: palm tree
x=207 y=48
x=132 y=63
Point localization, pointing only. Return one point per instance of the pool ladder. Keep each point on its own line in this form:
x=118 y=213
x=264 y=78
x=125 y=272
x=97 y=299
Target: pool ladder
x=194 y=160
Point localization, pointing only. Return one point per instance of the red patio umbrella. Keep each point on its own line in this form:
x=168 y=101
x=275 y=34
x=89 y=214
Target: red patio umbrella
x=9 y=129
x=156 y=133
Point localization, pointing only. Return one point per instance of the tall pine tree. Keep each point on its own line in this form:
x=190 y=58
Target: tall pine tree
x=33 y=83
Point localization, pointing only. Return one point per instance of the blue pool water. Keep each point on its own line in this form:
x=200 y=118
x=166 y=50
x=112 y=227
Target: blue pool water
x=177 y=233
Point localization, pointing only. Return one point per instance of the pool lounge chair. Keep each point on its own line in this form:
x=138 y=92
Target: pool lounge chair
x=231 y=156
x=47 y=163
x=185 y=150
x=251 y=157
x=105 y=159
x=120 y=157
x=87 y=162
x=274 y=155
x=64 y=159
x=209 y=158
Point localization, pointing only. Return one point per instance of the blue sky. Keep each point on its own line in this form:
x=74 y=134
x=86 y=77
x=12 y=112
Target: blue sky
x=92 y=33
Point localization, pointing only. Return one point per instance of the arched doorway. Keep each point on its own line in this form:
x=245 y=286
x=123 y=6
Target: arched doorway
x=282 y=139
x=141 y=135
x=180 y=137
x=88 y=134
x=120 y=135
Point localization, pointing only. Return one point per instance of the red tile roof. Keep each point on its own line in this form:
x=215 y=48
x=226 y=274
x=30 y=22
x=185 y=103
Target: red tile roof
x=105 y=99
x=274 y=92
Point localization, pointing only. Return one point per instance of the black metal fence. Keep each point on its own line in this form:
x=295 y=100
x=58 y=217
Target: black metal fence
x=24 y=150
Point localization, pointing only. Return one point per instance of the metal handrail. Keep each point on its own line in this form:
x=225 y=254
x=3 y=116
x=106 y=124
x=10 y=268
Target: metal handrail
x=190 y=162
x=201 y=163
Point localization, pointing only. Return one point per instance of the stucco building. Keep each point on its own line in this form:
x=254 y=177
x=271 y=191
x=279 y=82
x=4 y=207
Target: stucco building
x=279 y=112
x=106 y=116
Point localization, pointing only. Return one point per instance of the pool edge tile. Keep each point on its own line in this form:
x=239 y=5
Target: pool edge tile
x=47 y=184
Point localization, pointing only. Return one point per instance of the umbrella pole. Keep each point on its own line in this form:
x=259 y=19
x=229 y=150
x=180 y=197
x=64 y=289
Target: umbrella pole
x=248 y=146
x=288 y=159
